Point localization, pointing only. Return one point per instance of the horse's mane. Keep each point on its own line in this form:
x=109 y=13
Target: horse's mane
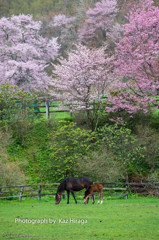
x=62 y=186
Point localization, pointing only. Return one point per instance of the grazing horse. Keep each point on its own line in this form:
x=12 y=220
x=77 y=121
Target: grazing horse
x=94 y=188
x=71 y=184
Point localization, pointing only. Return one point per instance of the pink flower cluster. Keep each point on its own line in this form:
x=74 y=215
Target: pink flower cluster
x=24 y=53
x=99 y=18
x=137 y=62
x=83 y=77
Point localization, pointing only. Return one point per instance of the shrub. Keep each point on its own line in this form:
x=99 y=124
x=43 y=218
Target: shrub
x=118 y=157
x=69 y=143
x=15 y=104
x=10 y=172
x=101 y=166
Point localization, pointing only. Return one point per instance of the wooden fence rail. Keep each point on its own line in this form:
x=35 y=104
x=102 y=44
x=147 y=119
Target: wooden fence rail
x=118 y=188
x=61 y=107
x=57 y=108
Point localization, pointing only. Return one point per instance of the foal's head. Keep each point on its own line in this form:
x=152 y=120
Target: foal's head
x=58 y=198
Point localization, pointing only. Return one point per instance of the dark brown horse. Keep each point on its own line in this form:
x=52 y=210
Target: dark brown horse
x=90 y=191
x=71 y=184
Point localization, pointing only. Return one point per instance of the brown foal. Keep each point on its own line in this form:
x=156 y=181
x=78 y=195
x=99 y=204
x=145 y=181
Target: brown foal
x=94 y=188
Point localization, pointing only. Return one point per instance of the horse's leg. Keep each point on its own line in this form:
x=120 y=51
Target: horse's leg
x=74 y=196
x=93 y=196
x=101 y=198
x=68 y=194
x=86 y=199
x=98 y=198
x=89 y=196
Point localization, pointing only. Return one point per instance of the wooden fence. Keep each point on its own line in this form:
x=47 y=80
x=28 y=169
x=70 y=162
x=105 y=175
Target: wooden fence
x=47 y=104
x=56 y=108
x=38 y=190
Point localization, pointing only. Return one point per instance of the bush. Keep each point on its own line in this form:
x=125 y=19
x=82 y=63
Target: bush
x=34 y=155
x=119 y=156
x=101 y=166
x=149 y=139
x=68 y=144
x=10 y=172
x=15 y=104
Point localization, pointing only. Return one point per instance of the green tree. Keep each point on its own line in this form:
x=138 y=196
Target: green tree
x=34 y=7
x=68 y=145
x=19 y=6
x=125 y=149
x=5 y=7
x=15 y=104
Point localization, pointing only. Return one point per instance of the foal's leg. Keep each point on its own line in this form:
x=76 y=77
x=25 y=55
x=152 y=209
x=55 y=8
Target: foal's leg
x=98 y=198
x=101 y=198
x=86 y=199
x=92 y=198
x=74 y=196
x=68 y=193
x=87 y=196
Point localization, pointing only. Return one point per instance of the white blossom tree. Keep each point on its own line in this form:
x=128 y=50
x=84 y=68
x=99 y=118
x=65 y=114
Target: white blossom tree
x=82 y=79
x=24 y=53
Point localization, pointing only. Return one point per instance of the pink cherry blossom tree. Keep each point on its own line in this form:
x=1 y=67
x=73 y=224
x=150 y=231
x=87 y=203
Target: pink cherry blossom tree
x=100 y=20
x=82 y=79
x=64 y=28
x=137 y=62
x=24 y=53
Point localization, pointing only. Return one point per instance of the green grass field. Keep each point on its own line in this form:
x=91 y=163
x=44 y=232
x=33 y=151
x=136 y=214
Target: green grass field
x=121 y=219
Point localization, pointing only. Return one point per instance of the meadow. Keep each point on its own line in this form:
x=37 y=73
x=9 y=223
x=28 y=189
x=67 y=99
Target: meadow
x=116 y=219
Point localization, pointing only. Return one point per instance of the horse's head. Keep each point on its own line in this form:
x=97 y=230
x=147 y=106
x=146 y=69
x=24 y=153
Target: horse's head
x=58 y=198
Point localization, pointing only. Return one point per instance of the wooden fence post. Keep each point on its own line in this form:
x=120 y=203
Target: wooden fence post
x=21 y=193
x=39 y=192
x=47 y=109
x=127 y=192
x=70 y=110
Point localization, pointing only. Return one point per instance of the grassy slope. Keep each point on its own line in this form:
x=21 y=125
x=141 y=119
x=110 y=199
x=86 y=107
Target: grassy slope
x=132 y=219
